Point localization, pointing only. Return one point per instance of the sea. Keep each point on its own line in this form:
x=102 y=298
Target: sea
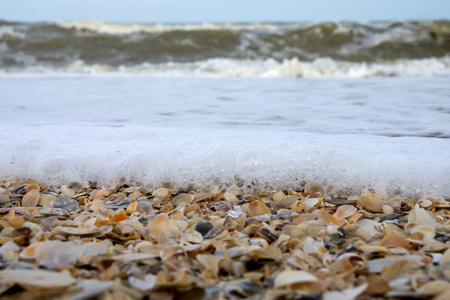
x=354 y=106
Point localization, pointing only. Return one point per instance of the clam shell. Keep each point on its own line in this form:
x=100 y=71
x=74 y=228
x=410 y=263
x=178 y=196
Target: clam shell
x=41 y=279
x=371 y=202
x=288 y=278
x=395 y=241
x=31 y=198
x=231 y=197
x=310 y=202
x=257 y=208
x=349 y=210
x=55 y=254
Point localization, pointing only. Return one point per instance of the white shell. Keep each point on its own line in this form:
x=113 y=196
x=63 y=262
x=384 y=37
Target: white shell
x=289 y=277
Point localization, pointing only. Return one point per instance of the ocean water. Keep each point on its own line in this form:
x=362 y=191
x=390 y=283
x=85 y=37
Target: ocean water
x=357 y=107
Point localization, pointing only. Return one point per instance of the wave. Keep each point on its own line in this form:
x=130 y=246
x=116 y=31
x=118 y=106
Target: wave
x=290 y=68
x=262 y=48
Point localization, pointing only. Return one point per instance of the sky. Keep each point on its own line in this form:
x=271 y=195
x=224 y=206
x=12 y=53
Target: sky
x=195 y=11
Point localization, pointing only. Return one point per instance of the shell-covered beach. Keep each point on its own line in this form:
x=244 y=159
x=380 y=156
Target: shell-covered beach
x=128 y=242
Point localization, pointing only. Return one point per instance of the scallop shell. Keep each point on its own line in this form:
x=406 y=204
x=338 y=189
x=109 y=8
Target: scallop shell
x=395 y=241
x=31 y=198
x=349 y=210
x=257 y=208
x=289 y=278
x=371 y=202
x=42 y=279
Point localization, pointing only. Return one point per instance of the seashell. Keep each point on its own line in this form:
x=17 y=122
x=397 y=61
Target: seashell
x=46 y=199
x=278 y=196
x=387 y=210
x=434 y=247
x=192 y=236
x=376 y=265
x=443 y=296
x=311 y=187
x=55 y=254
x=371 y=202
x=159 y=225
x=16 y=221
x=257 y=208
x=65 y=203
x=67 y=192
x=349 y=210
x=221 y=206
x=395 y=241
x=31 y=198
x=291 y=278
x=310 y=202
x=434 y=288
x=76 y=186
x=285 y=202
x=144 y=207
x=351 y=293
x=312 y=246
x=422 y=217
x=231 y=197
x=323 y=214
x=182 y=198
x=38 y=279
x=132 y=208
x=445 y=259
x=79 y=230
x=209 y=261
x=145 y=284
x=29 y=252
x=347 y=262
x=373 y=249
x=32 y=186
x=134 y=195
x=425 y=203
x=423 y=233
x=202 y=196
x=118 y=217
x=367 y=229
x=160 y=193
x=182 y=225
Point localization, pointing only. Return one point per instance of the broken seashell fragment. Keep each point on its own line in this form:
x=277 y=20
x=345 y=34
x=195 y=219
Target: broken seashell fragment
x=422 y=217
x=367 y=229
x=258 y=208
x=182 y=198
x=68 y=204
x=387 y=209
x=159 y=225
x=31 y=198
x=349 y=210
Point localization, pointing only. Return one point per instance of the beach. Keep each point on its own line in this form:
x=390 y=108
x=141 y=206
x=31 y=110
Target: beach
x=224 y=161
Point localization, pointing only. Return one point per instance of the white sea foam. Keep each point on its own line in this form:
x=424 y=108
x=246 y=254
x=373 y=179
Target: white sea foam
x=259 y=133
x=10 y=32
x=269 y=68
